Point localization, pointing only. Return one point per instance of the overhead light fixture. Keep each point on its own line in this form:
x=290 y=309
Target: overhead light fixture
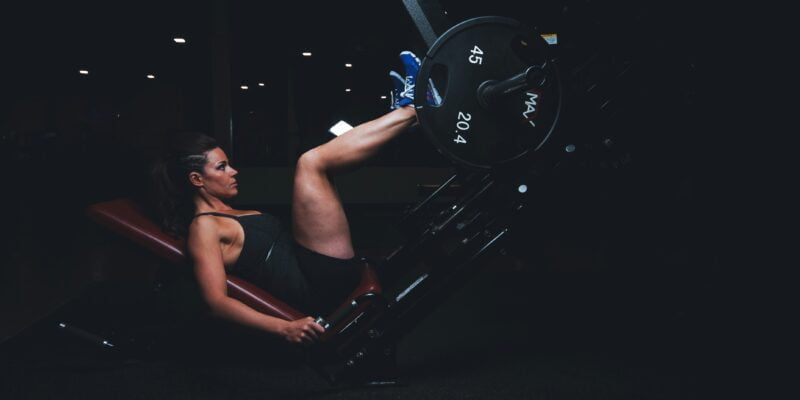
x=306 y=54
x=179 y=40
x=151 y=76
x=83 y=72
x=383 y=97
x=260 y=83
x=244 y=87
x=347 y=90
x=339 y=128
x=348 y=65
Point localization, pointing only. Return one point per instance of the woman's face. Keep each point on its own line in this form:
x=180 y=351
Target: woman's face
x=218 y=177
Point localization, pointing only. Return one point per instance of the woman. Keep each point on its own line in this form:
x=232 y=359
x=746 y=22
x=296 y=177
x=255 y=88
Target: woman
x=313 y=269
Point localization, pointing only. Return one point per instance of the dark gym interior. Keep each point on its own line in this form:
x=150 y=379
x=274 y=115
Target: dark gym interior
x=616 y=285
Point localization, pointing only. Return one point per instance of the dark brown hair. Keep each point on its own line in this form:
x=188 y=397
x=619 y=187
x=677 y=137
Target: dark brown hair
x=173 y=192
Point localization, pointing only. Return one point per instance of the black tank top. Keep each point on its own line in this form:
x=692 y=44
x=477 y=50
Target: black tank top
x=268 y=260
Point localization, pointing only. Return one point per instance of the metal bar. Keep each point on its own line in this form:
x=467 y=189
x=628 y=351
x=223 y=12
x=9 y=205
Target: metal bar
x=433 y=195
x=429 y=17
x=88 y=336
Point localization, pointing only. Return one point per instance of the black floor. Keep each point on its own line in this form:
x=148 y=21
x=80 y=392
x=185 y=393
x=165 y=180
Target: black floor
x=508 y=334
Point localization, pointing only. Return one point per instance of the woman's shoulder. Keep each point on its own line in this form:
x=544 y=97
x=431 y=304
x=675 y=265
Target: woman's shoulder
x=203 y=226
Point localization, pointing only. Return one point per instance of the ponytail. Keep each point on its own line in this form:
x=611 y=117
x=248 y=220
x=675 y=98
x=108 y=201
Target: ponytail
x=172 y=192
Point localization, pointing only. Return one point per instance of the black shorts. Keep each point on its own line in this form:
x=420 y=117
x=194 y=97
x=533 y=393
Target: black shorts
x=330 y=280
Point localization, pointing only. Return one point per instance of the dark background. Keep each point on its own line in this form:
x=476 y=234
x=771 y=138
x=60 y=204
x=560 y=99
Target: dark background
x=621 y=284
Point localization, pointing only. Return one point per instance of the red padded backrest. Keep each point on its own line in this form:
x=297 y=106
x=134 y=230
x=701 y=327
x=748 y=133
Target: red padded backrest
x=259 y=300
x=126 y=218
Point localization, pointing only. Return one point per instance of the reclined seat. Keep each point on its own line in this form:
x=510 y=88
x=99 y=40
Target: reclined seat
x=126 y=218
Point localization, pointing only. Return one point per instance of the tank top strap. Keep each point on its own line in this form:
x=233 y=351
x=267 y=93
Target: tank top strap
x=217 y=214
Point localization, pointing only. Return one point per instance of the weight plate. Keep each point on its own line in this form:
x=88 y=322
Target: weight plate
x=467 y=55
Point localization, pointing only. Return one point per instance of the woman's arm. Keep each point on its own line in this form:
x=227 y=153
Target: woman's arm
x=209 y=269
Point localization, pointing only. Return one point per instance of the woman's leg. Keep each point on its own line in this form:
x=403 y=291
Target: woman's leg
x=318 y=219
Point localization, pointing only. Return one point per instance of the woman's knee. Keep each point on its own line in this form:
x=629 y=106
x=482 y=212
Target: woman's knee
x=311 y=173
x=311 y=161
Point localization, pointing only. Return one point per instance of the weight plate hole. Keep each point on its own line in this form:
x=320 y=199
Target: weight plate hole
x=439 y=75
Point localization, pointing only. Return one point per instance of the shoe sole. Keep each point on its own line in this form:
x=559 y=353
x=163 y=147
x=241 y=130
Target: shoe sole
x=402 y=53
x=436 y=97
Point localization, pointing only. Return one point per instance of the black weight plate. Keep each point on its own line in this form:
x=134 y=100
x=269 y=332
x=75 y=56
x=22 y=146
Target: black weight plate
x=472 y=52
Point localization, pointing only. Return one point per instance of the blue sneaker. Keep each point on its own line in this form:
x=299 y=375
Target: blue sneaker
x=411 y=64
x=396 y=96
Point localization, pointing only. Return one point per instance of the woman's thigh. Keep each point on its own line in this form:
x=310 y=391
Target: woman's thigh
x=318 y=219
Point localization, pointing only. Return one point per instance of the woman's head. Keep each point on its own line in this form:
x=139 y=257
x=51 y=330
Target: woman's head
x=193 y=165
x=216 y=178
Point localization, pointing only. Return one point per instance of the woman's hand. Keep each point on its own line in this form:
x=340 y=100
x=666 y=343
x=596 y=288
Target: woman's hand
x=303 y=330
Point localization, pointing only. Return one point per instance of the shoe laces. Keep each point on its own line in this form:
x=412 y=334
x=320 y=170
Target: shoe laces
x=409 y=91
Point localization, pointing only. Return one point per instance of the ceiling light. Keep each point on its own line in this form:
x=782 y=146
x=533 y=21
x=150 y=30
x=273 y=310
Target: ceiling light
x=151 y=76
x=347 y=90
x=306 y=54
x=83 y=72
x=260 y=83
x=348 y=65
x=383 y=97
x=340 y=127
x=244 y=87
x=179 y=40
